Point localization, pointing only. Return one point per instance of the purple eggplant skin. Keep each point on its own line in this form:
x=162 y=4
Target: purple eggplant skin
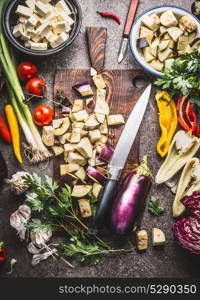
x=3 y=169
x=129 y=199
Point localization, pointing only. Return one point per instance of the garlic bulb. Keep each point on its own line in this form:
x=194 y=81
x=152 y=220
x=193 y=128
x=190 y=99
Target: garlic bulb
x=17 y=184
x=19 y=220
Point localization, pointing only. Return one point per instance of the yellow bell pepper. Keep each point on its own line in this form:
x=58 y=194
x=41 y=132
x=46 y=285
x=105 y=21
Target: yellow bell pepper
x=167 y=119
x=14 y=130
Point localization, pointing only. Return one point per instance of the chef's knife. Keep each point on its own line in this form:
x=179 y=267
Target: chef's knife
x=119 y=158
x=127 y=29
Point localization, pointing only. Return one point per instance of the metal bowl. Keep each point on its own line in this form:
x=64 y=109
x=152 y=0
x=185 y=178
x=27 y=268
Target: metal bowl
x=10 y=20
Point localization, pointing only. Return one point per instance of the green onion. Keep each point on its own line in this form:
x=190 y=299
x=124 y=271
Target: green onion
x=35 y=145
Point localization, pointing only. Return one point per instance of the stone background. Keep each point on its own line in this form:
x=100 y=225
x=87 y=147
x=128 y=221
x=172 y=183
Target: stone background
x=172 y=261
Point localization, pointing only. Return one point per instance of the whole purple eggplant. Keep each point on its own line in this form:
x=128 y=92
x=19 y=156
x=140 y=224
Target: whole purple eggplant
x=129 y=198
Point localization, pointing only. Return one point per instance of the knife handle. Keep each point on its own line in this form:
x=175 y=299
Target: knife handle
x=105 y=203
x=130 y=17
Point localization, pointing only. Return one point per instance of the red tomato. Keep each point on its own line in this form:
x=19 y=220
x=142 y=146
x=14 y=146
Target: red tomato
x=36 y=86
x=43 y=115
x=26 y=70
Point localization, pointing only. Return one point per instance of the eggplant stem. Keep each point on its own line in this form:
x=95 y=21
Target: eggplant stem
x=143 y=169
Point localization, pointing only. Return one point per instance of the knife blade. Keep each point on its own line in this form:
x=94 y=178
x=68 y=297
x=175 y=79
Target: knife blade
x=119 y=158
x=127 y=29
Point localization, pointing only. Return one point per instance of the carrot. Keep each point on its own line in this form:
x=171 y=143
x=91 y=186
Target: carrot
x=14 y=129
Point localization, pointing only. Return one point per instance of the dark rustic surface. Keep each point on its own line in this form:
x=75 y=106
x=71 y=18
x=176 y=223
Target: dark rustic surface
x=169 y=262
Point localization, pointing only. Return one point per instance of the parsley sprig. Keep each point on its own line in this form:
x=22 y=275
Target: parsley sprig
x=55 y=208
x=183 y=77
x=154 y=206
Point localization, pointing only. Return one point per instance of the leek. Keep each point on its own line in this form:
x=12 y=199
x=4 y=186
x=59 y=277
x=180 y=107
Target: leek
x=35 y=145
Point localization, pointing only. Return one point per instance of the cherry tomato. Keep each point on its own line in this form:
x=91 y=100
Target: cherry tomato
x=3 y=253
x=36 y=86
x=26 y=70
x=43 y=115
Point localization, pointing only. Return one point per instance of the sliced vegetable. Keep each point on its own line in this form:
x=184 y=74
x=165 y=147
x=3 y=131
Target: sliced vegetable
x=100 y=118
x=99 y=82
x=84 y=89
x=115 y=120
x=94 y=135
x=26 y=70
x=106 y=152
x=36 y=86
x=168 y=19
x=81 y=190
x=43 y=115
x=78 y=105
x=14 y=129
x=167 y=119
x=101 y=107
x=187 y=24
x=146 y=33
x=142 y=239
x=96 y=189
x=69 y=168
x=142 y=43
x=4 y=131
x=65 y=138
x=152 y=22
x=85 y=147
x=90 y=104
x=158 y=237
x=76 y=158
x=81 y=116
x=189 y=182
x=128 y=199
x=85 y=208
x=95 y=175
x=61 y=126
x=48 y=135
x=57 y=150
x=92 y=122
x=183 y=147
x=186 y=115
x=81 y=174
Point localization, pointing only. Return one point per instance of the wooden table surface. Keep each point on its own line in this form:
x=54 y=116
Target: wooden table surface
x=172 y=261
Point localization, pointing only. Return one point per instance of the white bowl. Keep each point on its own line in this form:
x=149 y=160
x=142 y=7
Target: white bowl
x=134 y=35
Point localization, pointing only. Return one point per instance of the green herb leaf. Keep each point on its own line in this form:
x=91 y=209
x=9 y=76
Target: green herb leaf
x=38 y=226
x=154 y=206
x=183 y=76
x=81 y=248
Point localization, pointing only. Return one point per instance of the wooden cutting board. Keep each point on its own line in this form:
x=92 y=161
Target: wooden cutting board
x=122 y=91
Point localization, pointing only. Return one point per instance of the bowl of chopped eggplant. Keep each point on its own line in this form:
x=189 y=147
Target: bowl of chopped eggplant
x=42 y=27
x=161 y=34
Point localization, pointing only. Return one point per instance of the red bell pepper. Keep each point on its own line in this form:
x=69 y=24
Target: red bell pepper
x=4 y=131
x=186 y=115
x=3 y=253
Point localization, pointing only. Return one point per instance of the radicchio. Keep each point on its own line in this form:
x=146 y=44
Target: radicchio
x=187 y=230
x=192 y=203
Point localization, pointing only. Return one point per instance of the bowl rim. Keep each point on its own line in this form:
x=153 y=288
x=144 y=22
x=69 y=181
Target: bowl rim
x=12 y=39
x=131 y=39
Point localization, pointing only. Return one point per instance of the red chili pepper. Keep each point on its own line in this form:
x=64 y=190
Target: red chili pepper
x=3 y=253
x=186 y=115
x=4 y=131
x=110 y=15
